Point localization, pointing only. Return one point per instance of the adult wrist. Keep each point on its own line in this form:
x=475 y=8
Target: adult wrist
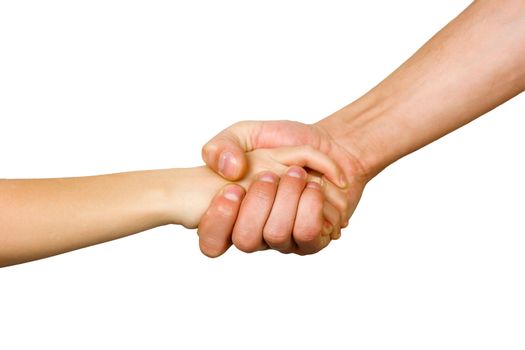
x=361 y=130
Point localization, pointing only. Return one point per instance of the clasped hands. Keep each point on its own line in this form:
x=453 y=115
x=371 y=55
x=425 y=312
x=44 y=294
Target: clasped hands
x=294 y=188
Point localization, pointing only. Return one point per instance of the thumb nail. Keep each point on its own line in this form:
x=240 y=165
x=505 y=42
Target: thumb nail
x=227 y=165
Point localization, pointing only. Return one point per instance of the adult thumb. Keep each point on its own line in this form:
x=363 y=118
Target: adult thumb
x=225 y=153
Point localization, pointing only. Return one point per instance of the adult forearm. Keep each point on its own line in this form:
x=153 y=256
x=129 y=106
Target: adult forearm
x=474 y=64
x=45 y=217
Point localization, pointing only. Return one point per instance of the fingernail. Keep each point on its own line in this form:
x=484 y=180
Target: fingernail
x=233 y=193
x=296 y=172
x=313 y=185
x=268 y=177
x=327 y=228
x=227 y=164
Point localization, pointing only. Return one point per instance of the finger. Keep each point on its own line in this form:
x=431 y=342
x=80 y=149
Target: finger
x=338 y=198
x=307 y=156
x=332 y=221
x=279 y=226
x=255 y=208
x=216 y=225
x=354 y=195
x=308 y=227
x=225 y=153
x=335 y=236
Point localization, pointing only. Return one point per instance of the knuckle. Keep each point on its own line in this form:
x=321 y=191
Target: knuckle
x=307 y=233
x=336 y=236
x=244 y=241
x=210 y=248
x=308 y=251
x=275 y=236
x=209 y=151
x=224 y=210
x=261 y=192
x=239 y=125
x=304 y=252
x=204 y=152
x=210 y=146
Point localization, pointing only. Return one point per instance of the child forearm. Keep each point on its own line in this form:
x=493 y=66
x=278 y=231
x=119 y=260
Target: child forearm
x=44 y=217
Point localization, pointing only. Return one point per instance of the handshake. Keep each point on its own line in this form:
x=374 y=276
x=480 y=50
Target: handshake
x=283 y=185
x=295 y=189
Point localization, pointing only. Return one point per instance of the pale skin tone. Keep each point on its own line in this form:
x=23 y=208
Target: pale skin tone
x=44 y=217
x=473 y=65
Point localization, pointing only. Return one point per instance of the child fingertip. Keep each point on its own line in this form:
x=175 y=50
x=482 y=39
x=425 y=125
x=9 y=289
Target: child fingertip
x=296 y=172
x=268 y=177
x=233 y=193
x=313 y=185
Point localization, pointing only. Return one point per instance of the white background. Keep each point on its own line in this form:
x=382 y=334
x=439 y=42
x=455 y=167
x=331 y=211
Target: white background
x=433 y=257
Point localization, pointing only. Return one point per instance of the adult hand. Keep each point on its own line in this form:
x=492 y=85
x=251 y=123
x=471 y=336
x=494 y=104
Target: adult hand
x=482 y=53
x=284 y=211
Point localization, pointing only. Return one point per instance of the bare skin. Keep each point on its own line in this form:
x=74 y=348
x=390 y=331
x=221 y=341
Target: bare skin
x=44 y=217
x=473 y=65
